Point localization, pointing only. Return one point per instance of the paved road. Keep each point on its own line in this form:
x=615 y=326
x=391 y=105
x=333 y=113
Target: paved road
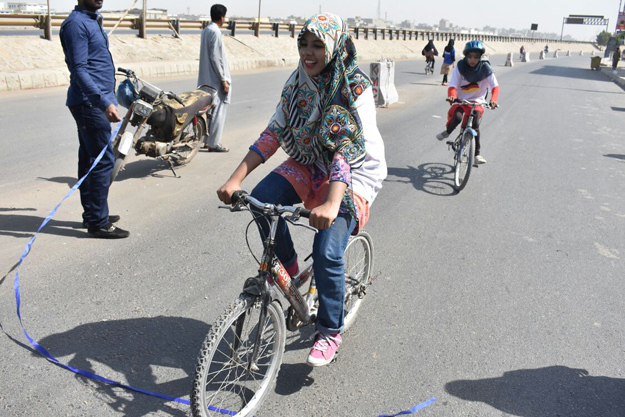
x=505 y=299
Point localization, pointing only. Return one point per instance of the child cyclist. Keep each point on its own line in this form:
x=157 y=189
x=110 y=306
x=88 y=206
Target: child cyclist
x=326 y=124
x=470 y=80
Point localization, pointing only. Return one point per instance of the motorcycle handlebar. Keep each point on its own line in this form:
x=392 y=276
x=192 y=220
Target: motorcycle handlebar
x=125 y=71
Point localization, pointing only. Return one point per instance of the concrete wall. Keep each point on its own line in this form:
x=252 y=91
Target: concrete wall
x=28 y=62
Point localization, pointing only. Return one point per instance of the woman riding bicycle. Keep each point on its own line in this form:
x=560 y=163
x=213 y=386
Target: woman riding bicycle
x=326 y=123
x=430 y=52
x=470 y=80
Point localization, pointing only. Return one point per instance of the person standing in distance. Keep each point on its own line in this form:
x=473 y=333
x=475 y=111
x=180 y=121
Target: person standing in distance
x=91 y=100
x=215 y=73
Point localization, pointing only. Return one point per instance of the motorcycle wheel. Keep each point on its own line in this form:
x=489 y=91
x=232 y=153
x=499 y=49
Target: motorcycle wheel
x=120 y=161
x=187 y=153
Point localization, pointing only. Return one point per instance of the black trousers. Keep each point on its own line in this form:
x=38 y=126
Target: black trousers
x=94 y=133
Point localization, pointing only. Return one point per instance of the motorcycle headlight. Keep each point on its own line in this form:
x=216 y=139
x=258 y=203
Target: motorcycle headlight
x=143 y=109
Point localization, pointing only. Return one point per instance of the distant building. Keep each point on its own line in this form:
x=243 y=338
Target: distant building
x=28 y=8
x=444 y=24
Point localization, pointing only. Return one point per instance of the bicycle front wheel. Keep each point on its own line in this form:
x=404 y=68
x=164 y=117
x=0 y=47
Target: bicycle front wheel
x=465 y=155
x=358 y=266
x=226 y=382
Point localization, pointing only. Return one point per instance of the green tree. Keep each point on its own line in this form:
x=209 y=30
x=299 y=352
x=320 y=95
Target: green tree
x=603 y=37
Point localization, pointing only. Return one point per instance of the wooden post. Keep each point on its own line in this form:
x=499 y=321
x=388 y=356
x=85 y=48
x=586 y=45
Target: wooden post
x=292 y=29
x=257 y=29
x=143 y=20
x=175 y=24
x=356 y=32
x=47 y=29
x=276 y=29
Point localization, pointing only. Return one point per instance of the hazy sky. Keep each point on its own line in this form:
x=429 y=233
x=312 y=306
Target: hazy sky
x=497 y=13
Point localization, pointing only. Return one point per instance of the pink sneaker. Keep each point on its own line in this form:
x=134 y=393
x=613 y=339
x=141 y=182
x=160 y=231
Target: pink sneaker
x=324 y=349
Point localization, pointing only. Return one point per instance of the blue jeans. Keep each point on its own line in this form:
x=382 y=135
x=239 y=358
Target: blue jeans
x=94 y=133
x=328 y=249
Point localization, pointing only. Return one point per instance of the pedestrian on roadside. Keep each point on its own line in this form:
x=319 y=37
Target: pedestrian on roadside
x=616 y=58
x=326 y=123
x=91 y=100
x=429 y=52
x=449 y=57
x=522 y=53
x=215 y=73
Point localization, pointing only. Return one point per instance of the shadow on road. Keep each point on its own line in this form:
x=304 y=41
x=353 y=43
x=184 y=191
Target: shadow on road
x=16 y=225
x=70 y=181
x=150 y=353
x=146 y=168
x=618 y=108
x=615 y=156
x=550 y=391
x=433 y=178
x=293 y=377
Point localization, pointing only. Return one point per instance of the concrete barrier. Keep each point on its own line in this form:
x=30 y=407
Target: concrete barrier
x=526 y=57
x=383 y=79
x=509 y=61
x=555 y=54
x=542 y=55
x=581 y=53
x=568 y=53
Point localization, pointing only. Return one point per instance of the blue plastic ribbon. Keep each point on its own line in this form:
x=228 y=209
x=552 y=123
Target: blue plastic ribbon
x=41 y=349
x=413 y=409
x=91 y=375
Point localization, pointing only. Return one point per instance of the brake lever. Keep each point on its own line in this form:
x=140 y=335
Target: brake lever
x=237 y=207
x=294 y=222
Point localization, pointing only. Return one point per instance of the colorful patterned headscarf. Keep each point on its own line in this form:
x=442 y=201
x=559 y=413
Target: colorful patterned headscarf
x=316 y=116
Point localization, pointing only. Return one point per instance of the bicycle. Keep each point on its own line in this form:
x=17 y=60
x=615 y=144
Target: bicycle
x=429 y=67
x=464 y=146
x=242 y=354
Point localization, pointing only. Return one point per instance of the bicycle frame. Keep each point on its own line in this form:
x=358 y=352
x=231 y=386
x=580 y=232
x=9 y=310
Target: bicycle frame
x=468 y=127
x=272 y=274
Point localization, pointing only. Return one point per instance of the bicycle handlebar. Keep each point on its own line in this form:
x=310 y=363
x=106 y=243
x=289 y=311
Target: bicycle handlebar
x=241 y=197
x=472 y=103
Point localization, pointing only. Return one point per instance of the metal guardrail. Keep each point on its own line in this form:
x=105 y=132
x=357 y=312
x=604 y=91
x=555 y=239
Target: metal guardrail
x=135 y=23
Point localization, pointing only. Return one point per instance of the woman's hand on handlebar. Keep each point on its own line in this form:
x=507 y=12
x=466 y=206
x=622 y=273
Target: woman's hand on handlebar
x=493 y=105
x=451 y=99
x=224 y=193
x=323 y=216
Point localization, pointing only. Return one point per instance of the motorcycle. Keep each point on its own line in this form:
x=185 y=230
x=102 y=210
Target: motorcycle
x=176 y=124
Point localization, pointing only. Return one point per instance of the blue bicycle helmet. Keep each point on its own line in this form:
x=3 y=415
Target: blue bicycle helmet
x=474 y=46
x=126 y=93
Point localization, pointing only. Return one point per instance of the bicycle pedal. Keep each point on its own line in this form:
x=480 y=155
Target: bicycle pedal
x=450 y=142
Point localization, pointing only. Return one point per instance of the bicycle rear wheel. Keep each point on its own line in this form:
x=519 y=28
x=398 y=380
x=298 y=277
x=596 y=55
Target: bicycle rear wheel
x=358 y=266
x=463 y=163
x=224 y=383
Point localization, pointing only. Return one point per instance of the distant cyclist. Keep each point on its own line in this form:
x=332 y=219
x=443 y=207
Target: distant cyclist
x=429 y=52
x=471 y=80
